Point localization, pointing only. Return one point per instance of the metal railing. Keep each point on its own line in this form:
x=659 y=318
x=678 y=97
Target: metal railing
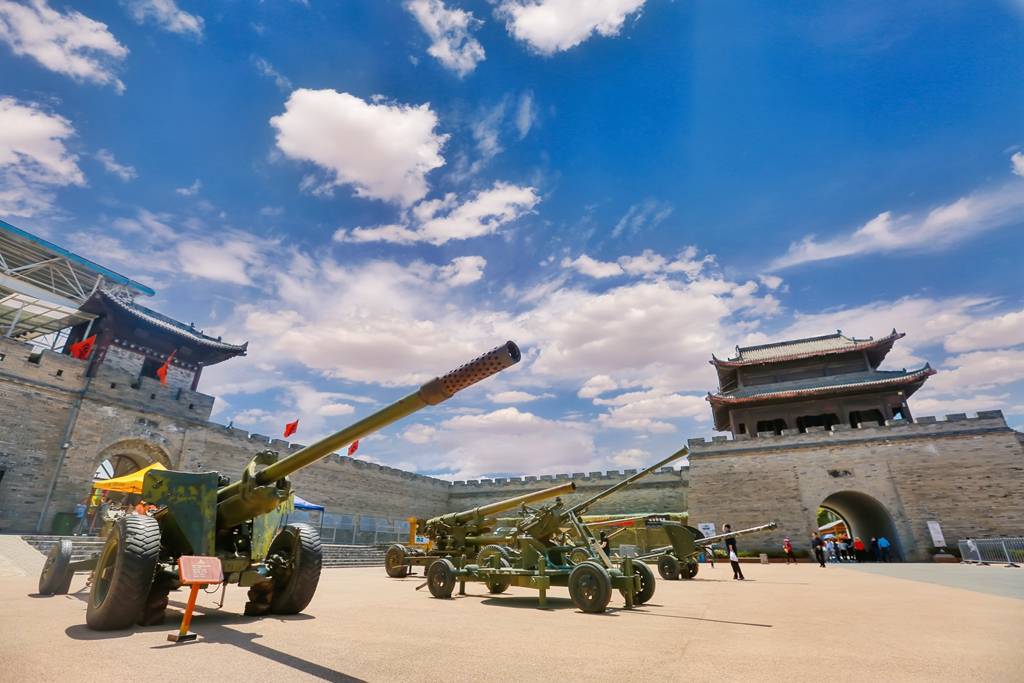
x=353 y=529
x=1008 y=550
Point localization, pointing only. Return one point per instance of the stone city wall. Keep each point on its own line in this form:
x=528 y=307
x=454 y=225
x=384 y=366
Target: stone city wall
x=965 y=473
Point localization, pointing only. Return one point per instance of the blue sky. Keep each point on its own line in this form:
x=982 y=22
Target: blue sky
x=372 y=192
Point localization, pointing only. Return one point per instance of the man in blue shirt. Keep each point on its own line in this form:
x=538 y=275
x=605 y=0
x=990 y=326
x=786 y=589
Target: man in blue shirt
x=883 y=548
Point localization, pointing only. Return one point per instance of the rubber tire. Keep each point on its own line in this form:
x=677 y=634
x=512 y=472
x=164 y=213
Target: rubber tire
x=441 y=578
x=394 y=562
x=55 y=578
x=647 y=583
x=136 y=541
x=307 y=561
x=599 y=581
x=668 y=567
x=689 y=570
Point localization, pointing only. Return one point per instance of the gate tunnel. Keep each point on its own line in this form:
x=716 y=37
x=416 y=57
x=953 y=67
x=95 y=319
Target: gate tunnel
x=865 y=517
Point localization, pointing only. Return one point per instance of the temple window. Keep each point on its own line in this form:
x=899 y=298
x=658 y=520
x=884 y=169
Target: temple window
x=825 y=420
x=863 y=417
x=775 y=426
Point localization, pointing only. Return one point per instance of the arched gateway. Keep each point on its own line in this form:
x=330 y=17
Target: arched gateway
x=127 y=456
x=864 y=515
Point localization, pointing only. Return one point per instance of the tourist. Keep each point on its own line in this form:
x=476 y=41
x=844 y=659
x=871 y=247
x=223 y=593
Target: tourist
x=80 y=510
x=140 y=507
x=734 y=556
x=816 y=545
x=883 y=547
x=858 y=549
x=787 y=548
x=876 y=556
x=830 y=550
x=606 y=546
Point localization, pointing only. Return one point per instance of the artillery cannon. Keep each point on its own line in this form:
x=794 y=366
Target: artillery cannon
x=541 y=555
x=679 y=560
x=203 y=514
x=463 y=533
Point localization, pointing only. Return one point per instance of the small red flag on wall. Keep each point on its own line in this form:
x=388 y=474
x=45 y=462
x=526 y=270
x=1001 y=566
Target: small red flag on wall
x=161 y=371
x=291 y=428
x=83 y=349
x=354 y=447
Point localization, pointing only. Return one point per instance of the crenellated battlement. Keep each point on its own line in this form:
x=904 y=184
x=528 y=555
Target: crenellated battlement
x=21 y=361
x=953 y=424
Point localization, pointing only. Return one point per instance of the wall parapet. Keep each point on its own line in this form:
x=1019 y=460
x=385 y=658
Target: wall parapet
x=953 y=424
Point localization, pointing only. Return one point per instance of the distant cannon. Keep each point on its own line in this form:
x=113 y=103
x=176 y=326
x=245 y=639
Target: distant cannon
x=458 y=534
x=202 y=514
x=541 y=553
x=679 y=560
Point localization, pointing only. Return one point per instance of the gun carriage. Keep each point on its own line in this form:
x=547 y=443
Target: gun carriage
x=679 y=560
x=239 y=523
x=542 y=554
x=462 y=534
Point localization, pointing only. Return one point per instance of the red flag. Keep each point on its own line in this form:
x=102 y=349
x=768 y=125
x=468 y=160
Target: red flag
x=354 y=447
x=83 y=349
x=161 y=371
x=291 y=428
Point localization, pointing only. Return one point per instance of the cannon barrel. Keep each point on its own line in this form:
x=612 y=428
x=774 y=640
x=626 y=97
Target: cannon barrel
x=580 y=508
x=235 y=501
x=465 y=516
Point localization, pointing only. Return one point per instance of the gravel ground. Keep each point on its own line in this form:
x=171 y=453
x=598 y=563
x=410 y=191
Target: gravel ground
x=364 y=626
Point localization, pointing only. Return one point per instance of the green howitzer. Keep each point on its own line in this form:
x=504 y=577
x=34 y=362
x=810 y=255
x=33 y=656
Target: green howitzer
x=541 y=554
x=679 y=560
x=239 y=523
x=459 y=534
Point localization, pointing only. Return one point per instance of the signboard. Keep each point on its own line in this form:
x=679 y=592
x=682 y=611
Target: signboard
x=200 y=569
x=706 y=528
x=422 y=540
x=938 y=540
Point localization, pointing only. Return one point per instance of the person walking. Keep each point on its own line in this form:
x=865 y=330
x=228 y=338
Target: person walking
x=830 y=550
x=787 y=548
x=80 y=515
x=734 y=557
x=819 y=552
x=883 y=548
x=858 y=549
x=876 y=555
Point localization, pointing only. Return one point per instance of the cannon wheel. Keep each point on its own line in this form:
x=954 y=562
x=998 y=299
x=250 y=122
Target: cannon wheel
x=124 y=573
x=394 y=562
x=647 y=582
x=590 y=587
x=298 y=548
x=690 y=569
x=498 y=585
x=55 y=579
x=441 y=578
x=668 y=567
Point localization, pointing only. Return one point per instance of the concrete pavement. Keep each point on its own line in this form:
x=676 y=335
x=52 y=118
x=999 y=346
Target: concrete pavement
x=785 y=622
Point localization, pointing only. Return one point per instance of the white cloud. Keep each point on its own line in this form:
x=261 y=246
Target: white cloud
x=647 y=264
x=67 y=43
x=772 y=282
x=940 y=228
x=652 y=411
x=515 y=397
x=591 y=267
x=34 y=158
x=192 y=190
x=648 y=214
x=443 y=220
x=449 y=33
x=979 y=370
x=230 y=260
x=166 y=14
x=526 y=114
x=995 y=332
x=267 y=69
x=551 y=26
x=506 y=442
x=631 y=458
x=123 y=171
x=1017 y=163
x=419 y=434
x=463 y=270
x=597 y=385
x=384 y=151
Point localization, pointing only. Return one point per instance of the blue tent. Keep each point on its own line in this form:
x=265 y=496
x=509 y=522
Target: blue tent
x=303 y=504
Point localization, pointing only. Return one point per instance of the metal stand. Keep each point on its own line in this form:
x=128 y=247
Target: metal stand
x=183 y=635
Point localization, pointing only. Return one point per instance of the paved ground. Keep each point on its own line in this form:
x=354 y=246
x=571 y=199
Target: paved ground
x=993 y=579
x=363 y=626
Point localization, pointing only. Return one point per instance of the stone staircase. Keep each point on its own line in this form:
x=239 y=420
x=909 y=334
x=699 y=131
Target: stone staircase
x=335 y=556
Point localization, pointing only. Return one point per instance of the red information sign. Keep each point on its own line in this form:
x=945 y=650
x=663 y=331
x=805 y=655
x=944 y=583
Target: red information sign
x=199 y=569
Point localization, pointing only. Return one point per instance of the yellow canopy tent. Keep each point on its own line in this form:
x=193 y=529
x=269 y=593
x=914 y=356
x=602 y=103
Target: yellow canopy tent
x=129 y=483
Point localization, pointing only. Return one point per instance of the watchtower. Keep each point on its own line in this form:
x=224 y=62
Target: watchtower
x=813 y=382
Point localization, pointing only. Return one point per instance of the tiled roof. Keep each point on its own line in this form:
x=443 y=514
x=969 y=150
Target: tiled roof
x=856 y=381
x=802 y=348
x=172 y=325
